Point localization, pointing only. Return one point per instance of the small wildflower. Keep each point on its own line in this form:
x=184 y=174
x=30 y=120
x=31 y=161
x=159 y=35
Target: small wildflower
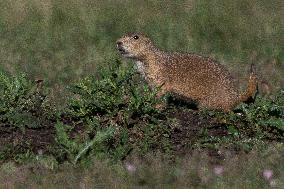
x=218 y=170
x=130 y=167
x=267 y=174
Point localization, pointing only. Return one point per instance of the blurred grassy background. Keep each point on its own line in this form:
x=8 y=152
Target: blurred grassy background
x=61 y=41
x=196 y=171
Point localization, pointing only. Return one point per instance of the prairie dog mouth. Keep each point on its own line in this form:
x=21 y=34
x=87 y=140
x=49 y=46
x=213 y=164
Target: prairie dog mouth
x=121 y=50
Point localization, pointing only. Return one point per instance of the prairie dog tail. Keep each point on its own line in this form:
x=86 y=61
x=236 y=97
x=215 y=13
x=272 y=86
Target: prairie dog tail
x=251 y=86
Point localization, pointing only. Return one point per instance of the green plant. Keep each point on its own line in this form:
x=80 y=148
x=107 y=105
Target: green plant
x=26 y=117
x=22 y=103
x=267 y=115
x=248 y=125
x=116 y=102
x=75 y=148
x=110 y=92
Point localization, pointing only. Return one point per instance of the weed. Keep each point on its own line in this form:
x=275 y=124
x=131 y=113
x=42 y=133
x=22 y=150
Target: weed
x=115 y=108
x=22 y=103
x=26 y=116
x=249 y=125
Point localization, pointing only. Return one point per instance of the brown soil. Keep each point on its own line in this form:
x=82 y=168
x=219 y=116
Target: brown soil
x=15 y=140
x=188 y=130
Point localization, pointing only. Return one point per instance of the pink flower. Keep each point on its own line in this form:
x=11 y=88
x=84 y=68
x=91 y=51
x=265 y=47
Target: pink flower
x=218 y=170
x=267 y=174
x=130 y=167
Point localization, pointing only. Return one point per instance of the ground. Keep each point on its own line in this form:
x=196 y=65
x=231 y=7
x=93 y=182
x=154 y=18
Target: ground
x=188 y=130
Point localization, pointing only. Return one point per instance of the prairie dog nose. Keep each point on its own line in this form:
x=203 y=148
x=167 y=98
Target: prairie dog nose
x=118 y=43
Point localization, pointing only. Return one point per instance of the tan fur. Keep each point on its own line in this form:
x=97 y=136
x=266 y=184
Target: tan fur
x=199 y=78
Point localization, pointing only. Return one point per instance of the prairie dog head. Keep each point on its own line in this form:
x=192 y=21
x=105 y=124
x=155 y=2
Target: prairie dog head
x=134 y=45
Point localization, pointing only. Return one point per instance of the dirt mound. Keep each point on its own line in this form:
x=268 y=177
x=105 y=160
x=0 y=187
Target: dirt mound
x=191 y=128
x=14 y=141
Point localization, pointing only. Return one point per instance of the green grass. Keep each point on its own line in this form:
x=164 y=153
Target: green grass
x=194 y=171
x=61 y=41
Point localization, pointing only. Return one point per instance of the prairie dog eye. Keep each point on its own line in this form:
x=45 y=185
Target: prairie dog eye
x=135 y=37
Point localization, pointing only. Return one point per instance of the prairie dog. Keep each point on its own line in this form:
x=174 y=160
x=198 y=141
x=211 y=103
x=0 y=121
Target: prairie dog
x=199 y=78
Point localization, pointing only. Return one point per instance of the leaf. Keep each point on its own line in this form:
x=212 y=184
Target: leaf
x=276 y=122
x=100 y=137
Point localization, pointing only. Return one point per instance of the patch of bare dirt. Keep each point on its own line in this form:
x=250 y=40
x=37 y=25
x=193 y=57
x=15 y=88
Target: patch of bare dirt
x=34 y=139
x=191 y=126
